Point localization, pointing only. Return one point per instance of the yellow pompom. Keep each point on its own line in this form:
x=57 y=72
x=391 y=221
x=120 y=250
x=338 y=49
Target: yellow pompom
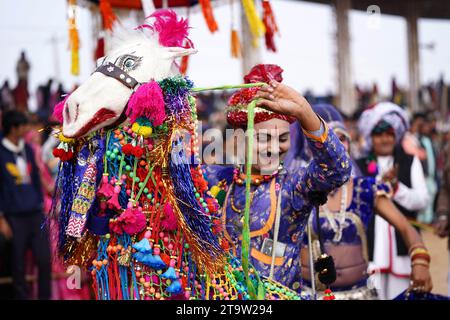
x=145 y=131
x=142 y=130
x=214 y=191
x=135 y=127
x=62 y=138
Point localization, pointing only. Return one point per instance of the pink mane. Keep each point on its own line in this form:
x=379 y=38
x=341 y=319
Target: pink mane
x=172 y=32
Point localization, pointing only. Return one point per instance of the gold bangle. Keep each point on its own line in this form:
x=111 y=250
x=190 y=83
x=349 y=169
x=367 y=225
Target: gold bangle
x=417 y=246
x=420 y=263
x=412 y=257
x=419 y=250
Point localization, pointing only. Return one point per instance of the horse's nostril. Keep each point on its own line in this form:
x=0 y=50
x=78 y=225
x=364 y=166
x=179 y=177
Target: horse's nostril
x=67 y=113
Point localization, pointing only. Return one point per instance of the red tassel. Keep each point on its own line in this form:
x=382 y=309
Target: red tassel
x=107 y=14
x=209 y=15
x=169 y=223
x=100 y=50
x=270 y=24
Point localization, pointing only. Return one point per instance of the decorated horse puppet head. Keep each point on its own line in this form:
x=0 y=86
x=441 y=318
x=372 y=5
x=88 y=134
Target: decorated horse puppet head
x=139 y=58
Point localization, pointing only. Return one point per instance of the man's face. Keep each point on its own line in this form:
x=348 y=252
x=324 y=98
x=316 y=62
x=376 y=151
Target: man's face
x=20 y=131
x=383 y=143
x=417 y=125
x=272 y=141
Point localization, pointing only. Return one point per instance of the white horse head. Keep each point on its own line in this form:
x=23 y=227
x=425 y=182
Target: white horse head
x=146 y=53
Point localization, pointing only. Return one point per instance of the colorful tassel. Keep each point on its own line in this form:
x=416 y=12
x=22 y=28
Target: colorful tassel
x=113 y=202
x=143 y=246
x=209 y=15
x=139 y=256
x=236 y=50
x=175 y=287
x=170 y=274
x=100 y=50
x=74 y=41
x=107 y=13
x=64 y=151
x=169 y=223
x=148 y=259
x=270 y=24
x=157 y=263
x=106 y=190
x=329 y=295
x=254 y=21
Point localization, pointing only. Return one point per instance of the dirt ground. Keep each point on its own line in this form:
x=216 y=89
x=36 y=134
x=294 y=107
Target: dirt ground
x=439 y=261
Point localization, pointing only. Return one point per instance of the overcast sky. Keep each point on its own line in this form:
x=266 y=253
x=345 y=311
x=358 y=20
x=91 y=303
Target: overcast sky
x=306 y=48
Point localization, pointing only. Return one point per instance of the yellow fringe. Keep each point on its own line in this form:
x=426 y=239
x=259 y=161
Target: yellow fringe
x=254 y=21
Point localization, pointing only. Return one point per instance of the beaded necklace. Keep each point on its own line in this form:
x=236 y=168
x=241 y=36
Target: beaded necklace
x=256 y=180
x=340 y=216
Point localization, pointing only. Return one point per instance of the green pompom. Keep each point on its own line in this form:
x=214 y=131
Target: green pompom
x=221 y=197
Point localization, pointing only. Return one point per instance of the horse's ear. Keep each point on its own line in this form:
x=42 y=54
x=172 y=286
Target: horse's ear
x=176 y=52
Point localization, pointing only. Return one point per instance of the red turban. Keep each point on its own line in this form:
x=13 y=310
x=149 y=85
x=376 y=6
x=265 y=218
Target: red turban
x=237 y=104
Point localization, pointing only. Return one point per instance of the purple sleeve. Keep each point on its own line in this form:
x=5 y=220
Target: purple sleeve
x=329 y=169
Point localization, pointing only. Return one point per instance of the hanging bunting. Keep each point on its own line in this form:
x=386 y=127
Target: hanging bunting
x=235 y=41
x=270 y=25
x=254 y=21
x=108 y=15
x=235 y=44
x=209 y=15
x=74 y=41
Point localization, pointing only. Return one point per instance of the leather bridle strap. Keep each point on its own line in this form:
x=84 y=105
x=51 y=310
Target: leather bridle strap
x=111 y=70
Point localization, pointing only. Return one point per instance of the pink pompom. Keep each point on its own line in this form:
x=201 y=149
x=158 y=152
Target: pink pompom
x=147 y=101
x=133 y=221
x=169 y=223
x=58 y=110
x=372 y=168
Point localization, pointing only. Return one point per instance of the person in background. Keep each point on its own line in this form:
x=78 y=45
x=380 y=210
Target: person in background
x=425 y=131
x=443 y=200
x=21 y=206
x=344 y=221
x=383 y=127
x=411 y=141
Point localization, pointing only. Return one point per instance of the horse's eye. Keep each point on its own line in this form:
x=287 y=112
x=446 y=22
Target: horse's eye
x=129 y=63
